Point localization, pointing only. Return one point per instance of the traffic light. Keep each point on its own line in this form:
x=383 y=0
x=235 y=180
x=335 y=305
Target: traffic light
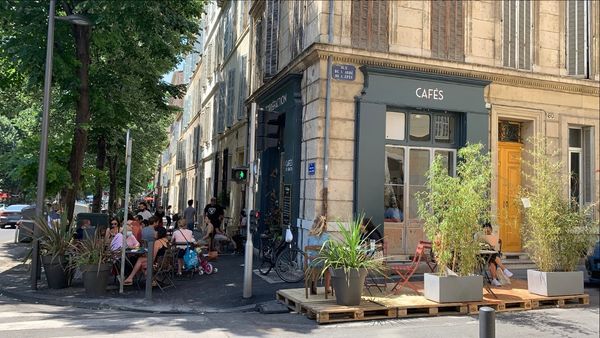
x=239 y=174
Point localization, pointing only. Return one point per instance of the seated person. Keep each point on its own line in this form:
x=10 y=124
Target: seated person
x=369 y=232
x=182 y=235
x=393 y=213
x=492 y=241
x=215 y=238
x=160 y=247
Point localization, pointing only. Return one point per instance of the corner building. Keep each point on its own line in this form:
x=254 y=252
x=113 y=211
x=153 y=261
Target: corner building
x=357 y=97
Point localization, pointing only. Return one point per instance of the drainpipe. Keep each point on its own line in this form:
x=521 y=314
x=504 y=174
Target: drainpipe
x=327 y=115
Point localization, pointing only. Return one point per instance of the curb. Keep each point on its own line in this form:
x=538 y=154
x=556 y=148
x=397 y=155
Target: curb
x=105 y=304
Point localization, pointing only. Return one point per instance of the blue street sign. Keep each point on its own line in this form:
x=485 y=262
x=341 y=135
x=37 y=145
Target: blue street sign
x=311 y=168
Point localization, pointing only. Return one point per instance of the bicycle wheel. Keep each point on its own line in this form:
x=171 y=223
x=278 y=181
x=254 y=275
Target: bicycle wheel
x=265 y=266
x=289 y=265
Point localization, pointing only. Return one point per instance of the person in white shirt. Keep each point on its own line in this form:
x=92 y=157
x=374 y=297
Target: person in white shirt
x=182 y=235
x=143 y=211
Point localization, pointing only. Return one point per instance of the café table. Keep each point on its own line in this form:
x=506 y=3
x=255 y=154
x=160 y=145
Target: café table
x=485 y=257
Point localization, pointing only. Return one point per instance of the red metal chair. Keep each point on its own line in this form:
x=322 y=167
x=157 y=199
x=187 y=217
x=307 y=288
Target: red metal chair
x=428 y=255
x=405 y=271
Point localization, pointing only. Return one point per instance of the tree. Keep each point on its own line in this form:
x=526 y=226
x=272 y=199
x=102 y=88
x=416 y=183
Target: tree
x=105 y=75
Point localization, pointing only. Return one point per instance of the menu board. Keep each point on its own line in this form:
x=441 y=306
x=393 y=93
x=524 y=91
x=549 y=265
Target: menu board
x=286 y=205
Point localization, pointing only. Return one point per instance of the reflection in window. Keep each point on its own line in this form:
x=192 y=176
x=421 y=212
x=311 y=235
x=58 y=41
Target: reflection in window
x=394 y=184
x=419 y=127
x=419 y=164
x=443 y=128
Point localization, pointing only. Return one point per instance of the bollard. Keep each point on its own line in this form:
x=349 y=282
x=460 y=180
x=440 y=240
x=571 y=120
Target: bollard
x=149 y=272
x=487 y=322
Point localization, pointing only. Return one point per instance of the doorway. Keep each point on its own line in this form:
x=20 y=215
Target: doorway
x=509 y=185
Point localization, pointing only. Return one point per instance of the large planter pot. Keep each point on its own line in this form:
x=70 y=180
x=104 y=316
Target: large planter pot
x=95 y=279
x=57 y=273
x=348 y=286
x=453 y=289
x=555 y=283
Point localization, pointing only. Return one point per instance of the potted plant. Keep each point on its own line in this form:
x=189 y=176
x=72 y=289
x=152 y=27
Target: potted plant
x=348 y=260
x=557 y=232
x=452 y=208
x=93 y=257
x=54 y=241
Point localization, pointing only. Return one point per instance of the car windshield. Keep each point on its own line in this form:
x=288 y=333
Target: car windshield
x=16 y=207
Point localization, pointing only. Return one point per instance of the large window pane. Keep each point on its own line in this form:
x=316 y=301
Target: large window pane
x=394 y=184
x=575 y=176
x=447 y=160
x=394 y=126
x=574 y=138
x=419 y=127
x=419 y=164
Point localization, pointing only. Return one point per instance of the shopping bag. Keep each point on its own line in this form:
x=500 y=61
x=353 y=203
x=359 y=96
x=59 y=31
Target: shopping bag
x=288 y=235
x=190 y=259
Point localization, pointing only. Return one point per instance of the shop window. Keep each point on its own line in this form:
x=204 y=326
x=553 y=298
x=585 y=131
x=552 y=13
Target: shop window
x=420 y=127
x=395 y=126
x=394 y=184
x=581 y=167
x=447 y=157
x=419 y=161
x=443 y=128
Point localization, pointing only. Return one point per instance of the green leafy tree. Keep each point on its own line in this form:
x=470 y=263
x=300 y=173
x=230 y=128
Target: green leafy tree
x=454 y=207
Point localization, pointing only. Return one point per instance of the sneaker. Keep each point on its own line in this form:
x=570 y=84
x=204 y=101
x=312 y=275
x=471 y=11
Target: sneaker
x=507 y=273
x=495 y=282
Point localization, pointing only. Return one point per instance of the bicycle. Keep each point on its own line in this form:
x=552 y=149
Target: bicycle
x=284 y=257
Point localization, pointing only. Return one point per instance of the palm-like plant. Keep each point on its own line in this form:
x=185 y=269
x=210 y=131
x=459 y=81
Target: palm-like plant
x=54 y=239
x=90 y=251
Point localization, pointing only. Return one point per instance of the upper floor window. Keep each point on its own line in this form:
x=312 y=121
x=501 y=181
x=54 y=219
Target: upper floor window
x=271 y=37
x=447 y=29
x=370 y=25
x=516 y=42
x=578 y=25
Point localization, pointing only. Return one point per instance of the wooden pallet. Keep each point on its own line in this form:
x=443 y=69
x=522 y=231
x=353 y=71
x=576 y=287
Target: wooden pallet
x=560 y=301
x=436 y=310
x=502 y=306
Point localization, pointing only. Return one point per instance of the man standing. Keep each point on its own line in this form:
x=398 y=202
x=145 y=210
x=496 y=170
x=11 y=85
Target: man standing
x=189 y=214
x=143 y=211
x=214 y=212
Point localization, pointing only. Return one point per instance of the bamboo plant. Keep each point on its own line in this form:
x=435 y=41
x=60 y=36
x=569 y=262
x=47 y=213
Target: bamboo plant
x=452 y=207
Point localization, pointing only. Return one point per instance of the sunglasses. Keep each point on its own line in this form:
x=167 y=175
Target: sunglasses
x=113 y=223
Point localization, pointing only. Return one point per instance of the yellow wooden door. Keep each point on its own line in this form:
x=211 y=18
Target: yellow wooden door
x=509 y=184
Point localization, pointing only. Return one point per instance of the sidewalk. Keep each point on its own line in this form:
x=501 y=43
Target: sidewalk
x=215 y=293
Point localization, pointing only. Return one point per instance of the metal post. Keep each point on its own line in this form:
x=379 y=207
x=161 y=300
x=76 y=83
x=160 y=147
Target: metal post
x=126 y=207
x=487 y=322
x=149 y=272
x=250 y=206
x=41 y=179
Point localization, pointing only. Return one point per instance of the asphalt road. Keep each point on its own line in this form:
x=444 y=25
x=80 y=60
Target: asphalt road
x=7 y=235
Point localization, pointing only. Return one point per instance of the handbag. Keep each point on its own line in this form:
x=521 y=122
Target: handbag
x=190 y=259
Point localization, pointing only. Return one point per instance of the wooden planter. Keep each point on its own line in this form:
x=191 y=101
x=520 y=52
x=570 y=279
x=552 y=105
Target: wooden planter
x=555 y=283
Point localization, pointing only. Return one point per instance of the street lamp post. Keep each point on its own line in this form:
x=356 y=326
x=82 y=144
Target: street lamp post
x=43 y=158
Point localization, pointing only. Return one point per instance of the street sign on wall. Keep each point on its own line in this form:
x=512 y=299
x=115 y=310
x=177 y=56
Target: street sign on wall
x=343 y=72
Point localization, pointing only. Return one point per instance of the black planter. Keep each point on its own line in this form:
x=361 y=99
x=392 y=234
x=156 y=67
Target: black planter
x=95 y=279
x=348 y=286
x=57 y=274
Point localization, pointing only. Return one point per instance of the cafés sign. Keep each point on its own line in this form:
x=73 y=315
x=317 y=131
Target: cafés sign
x=430 y=93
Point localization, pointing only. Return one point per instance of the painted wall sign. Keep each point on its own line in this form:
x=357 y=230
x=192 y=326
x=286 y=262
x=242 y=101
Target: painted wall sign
x=343 y=72
x=430 y=93
x=311 y=168
x=278 y=102
x=286 y=204
x=289 y=165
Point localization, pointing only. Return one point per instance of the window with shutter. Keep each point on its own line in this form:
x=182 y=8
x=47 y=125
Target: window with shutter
x=258 y=51
x=297 y=28
x=221 y=108
x=241 y=113
x=516 y=43
x=447 y=30
x=271 y=37
x=230 y=97
x=578 y=25
x=228 y=31
x=370 y=25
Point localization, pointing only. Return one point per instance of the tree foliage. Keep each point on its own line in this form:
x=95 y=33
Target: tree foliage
x=452 y=208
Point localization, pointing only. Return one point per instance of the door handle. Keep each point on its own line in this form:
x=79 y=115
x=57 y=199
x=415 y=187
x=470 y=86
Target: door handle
x=506 y=204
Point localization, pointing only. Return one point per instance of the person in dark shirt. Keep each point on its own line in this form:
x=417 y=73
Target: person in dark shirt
x=214 y=212
x=370 y=232
x=159 y=213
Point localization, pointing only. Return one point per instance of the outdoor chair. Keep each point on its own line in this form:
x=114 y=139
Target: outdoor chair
x=372 y=280
x=405 y=271
x=312 y=274
x=164 y=270
x=428 y=255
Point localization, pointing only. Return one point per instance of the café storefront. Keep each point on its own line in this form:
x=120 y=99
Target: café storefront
x=403 y=120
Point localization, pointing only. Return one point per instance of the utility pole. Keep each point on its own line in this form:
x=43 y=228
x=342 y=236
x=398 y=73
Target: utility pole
x=250 y=206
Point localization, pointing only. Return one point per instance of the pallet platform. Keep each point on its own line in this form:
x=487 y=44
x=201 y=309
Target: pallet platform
x=514 y=297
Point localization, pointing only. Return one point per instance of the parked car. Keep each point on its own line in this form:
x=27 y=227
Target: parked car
x=25 y=225
x=10 y=215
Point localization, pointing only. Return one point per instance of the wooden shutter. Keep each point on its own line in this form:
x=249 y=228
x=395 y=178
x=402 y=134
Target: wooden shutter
x=447 y=29
x=230 y=97
x=577 y=37
x=524 y=29
x=241 y=113
x=370 y=25
x=516 y=44
x=272 y=36
x=588 y=165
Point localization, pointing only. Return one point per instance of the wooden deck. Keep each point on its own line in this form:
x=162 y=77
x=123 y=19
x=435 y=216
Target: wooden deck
x=384 y=305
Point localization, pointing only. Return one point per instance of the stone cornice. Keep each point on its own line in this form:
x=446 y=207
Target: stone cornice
x=452 y=69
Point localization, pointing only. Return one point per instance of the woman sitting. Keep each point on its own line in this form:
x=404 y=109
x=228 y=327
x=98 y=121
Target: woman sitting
x=215 y=238
x=182 y=235
x=160 y=247
x=492 y=242
x=317 y=236
x=115 y=236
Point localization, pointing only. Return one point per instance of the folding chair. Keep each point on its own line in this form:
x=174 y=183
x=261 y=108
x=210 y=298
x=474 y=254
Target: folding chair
x=312 y=274
x=163 y=276
x=428 y=255
x=405 y=271
x=371 y=279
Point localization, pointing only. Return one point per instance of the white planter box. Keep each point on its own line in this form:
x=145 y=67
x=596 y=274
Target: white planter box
x=555 y=283
x=453 y=289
